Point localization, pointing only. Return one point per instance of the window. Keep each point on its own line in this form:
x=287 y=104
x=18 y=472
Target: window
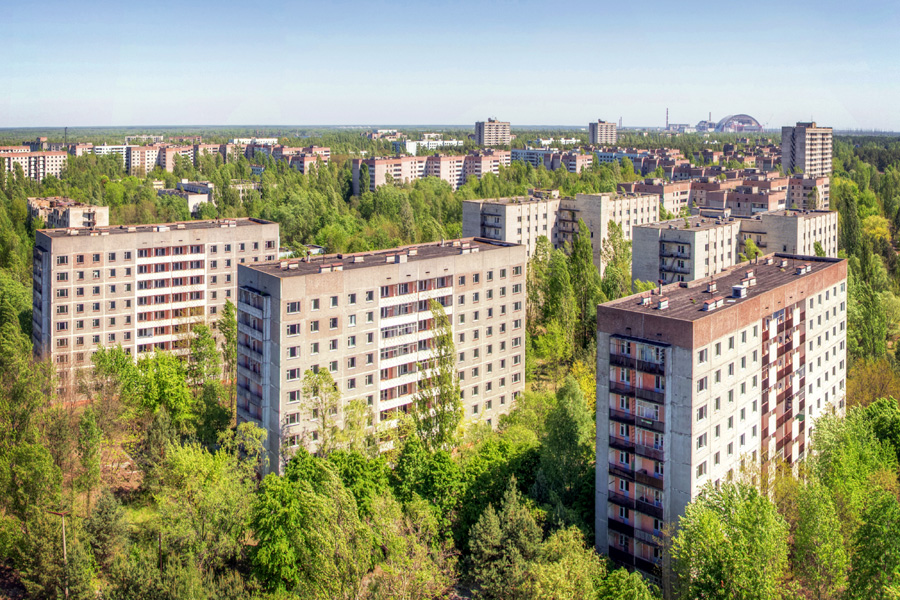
x=701 y=384
x=293 y=307
x=701 y=442
x=370 y=296
x=332 y=323
x=701 y=469
x=701 y=413
x=334 y=301
x=293 y=329
x=315 y=304
x=333 y=344
x=351 y=299
x=702 y=356
x=314 y=326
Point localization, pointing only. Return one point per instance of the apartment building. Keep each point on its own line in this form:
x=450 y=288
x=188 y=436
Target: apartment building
x=142 y=287
x=552 y=159
x=517 y=220
x=35 y=165
x=452 y=169
x=800 y=187
x=704 y=378
x=15 y=149
x=141 y=160
x=259 y=141
x=746 y=200
x=367 y=319
x=602 y=133
x=807 y=148
x=711 y=242
x=119 y=149
x=492 y=133
x=64 y=212
x=431 y=141
x=684 y=249
x=674 y=196
x=793 y=231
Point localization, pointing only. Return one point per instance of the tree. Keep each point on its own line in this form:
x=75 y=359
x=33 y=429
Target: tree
x=819 y=555
x=227 y=327
x=203 y=365
x=876 y=553
x=538 y=276
x=322 y=398
x=731 y=543
x=560 y=305
x=106 y=528
x=438 y=407
x=502 y=545
x=817 y=248
x=585 y=283
x=616 y=252
x=751 y=250
x=310 y=540
x=564 y=569
x=89 y=440
x=622 y=585
x=812 y=199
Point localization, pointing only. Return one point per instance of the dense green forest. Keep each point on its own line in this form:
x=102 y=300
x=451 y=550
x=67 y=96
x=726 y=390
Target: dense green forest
x=161 y=497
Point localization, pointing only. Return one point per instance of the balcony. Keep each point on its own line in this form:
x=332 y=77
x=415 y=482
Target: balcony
x=621 y=443
x=621 y=499
x=649 y=452
x=621 y=416
x=649 y=567
x=621 y=471
x=621 y=387
x=648 y=537
x=673 y=253
x=654 y=480
x=620 y=556
x=651 y=395
x=674 y=268
x=654 y=510
x=630 y=362
x=651 y=424
x=620 y=527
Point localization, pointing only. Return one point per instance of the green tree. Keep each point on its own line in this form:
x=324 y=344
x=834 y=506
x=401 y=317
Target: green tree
x=616 y=252
x=876 y=553
x=564 y=569
x=585 y=284
x=819 y=556
x=501 y=545
x=322 y=399
x=438 y=407
x=310 y=539
x=203 y=365
x=227 y=327
x=751 y=250
x=89 y=440
x=731 y=543
x=818 y=249
x=560 y=304
x=106 y=529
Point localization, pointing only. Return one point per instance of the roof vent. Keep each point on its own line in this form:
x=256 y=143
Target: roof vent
x=645 y=300
x=358 y=259
x=713 y=303
x=293 y=265
x=803 y=269
x=161 y=228
x=711 y=287
x=413 y=251
x=179 y=226
x=770 y=260
x=783 y=263
x=738 y=291
x=662 y=303
x=749 y=273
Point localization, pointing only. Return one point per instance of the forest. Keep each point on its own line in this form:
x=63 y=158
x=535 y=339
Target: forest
x=160 y=494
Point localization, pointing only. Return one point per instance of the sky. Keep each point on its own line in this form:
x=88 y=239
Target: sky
x=271 y=62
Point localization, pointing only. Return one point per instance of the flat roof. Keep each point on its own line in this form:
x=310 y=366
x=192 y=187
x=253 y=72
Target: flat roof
x=697 y=223
x=293 y=267
x=62 y=232
x=516 y=200
x=686 y=300
x=800 y=214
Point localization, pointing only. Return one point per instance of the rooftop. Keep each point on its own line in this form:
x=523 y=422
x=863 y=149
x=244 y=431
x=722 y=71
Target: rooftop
x=696 y=223
x=54 y=201
x=341 y=262
x=689 y=301
x=153 y=228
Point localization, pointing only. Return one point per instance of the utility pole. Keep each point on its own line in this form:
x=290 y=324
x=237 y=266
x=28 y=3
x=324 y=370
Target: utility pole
x=65 y=557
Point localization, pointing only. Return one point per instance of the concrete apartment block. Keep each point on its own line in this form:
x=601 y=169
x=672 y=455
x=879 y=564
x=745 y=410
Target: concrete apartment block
x=806 y=147
x=602 y=133
x=142 y=287
x=800 y=187
x=518 y=220
x=684 y=249
x=65 y=212
x=367 y=319
x=35 y=165
x=793 y=231
x=697 y=380
x=552 y=159
x=452 y=169
x=674 y=196
x=492 y=133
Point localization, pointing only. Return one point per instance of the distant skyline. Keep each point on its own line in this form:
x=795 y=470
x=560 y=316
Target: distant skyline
x=347 y=62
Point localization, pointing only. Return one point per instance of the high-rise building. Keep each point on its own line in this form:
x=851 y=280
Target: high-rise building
x=697 y=380
x=806 y=147
x=35 y=165
x=602 y=133
x=455 y=170
x=367 y=319
x=142 y=287
x=492 y=133
x=65 y=212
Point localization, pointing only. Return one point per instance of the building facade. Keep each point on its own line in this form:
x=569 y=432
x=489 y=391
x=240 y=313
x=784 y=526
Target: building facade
x=65 y=212
x=492 y=133
x=35 y=165
x=142 y=287
x=405 y=169
x=367 y=319
x=806 y=147
x=602 y=133
x=699 y=381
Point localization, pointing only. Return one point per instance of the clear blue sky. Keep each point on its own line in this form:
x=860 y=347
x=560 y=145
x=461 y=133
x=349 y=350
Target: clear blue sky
x=373 y=62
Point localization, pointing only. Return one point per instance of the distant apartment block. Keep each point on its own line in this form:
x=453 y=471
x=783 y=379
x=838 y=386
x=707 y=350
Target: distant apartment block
x=697 y=380
x=552 y=159
x=674 y=196
x=800 y=188
x=259 y=141
x=492 y=133
x=602 y=133
x=367 y=319
x=142 y=287
x=151 y=139
x=65 y=212
x=390 y=135
x=15 y=149
x=806 y=147
x=700 y=246
x=523 y=220
x=106 y=149
x=35 y=165
x=431 y=141
x=452 y=169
